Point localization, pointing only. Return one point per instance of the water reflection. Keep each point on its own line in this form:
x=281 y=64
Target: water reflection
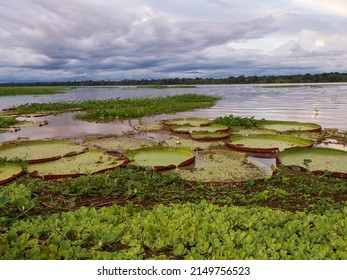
x=65 y=126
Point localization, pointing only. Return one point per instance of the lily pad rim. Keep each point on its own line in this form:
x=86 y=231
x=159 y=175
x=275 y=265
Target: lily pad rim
x=14 y=175
x=316 y=150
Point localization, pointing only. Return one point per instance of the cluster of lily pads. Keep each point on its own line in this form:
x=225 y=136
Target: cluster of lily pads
x=196 y=149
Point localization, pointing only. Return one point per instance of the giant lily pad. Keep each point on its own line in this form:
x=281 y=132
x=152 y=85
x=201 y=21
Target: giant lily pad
x=191 y=144
x=120 y=143
x=9 y=171
x=316 y=160
x=282 y=126
x=266 y=143
x=90 y=162
x=223 y=166
x=209 y=136
x=161 y=158
x=189 y=121
x=40 y=151
x=208 y=128
x=245 y=131
x=149 y=127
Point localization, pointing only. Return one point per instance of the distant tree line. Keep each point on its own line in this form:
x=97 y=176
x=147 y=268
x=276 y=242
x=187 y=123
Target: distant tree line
x=306 y=78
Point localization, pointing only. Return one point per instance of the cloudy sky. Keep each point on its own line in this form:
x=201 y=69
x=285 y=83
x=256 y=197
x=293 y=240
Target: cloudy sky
x=51 y=40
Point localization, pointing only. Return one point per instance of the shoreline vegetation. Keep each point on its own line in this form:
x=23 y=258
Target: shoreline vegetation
x=332 y=77
x=120 y=109
x=31 y=90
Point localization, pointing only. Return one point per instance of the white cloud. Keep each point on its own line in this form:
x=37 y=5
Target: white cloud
x=334 y=7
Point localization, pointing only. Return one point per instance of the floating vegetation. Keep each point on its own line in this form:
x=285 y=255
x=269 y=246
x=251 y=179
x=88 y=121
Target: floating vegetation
x=282 y=126
x=209 y=136
x=188 y=121
x=208 y=128
x=22 y=90
x=161 y=158
x=14 y=125
x=119 y=109
x=149 y=127
x=266 y=143
x=39 y=150
x=119 y=143
x=9 y=171
x=8 y=122
x=235 y=121
x=245 y=131
x=222 y=166
x=90 y=162
x=191 y=144
x=310 y=135
x=317 y=160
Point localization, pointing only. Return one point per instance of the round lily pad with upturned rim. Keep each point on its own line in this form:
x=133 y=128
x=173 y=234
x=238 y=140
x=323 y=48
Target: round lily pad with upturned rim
x=120 y=143
x=282 y=126
x=209 y=136
x=316 y=160
x=266 y=143
x=90 y=162
x=161 y=158
x=245 y=131
x=208 y=128
x=40 y=150
x=191 y=144
x=9 y=171
x=149 y=127
x=188 y=121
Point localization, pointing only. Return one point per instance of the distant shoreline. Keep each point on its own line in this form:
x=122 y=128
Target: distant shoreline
x=332 y=77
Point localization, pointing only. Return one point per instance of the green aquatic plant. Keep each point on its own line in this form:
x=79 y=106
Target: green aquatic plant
x=190 y=143
x=209 y=136
x=188 y=121
x=283 y=126
x=161 y=157
x=120 y=143
x=263 y=143
x=234 y=121
x=7 y=122
x=25 y=90
x=317 y=159
x=120 y=109
x=93 y=161
x=222 y=166
x=39 y=150
x=206 y=128
x=9 y=171
x=188 y=231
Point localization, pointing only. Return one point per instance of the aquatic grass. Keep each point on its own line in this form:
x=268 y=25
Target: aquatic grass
x=6 y=122
x=119 y=109
x=22 y=90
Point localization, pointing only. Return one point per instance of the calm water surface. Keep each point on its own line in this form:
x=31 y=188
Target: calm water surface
x=325 y=104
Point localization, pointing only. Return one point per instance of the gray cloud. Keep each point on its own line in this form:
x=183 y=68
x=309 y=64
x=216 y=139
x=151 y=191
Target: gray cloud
x=66 y=40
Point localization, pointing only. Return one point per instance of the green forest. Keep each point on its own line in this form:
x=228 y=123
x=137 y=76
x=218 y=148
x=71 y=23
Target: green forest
x=333 y=77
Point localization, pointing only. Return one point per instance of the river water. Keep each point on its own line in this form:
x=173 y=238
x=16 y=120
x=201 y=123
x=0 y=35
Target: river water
x=325 y=104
